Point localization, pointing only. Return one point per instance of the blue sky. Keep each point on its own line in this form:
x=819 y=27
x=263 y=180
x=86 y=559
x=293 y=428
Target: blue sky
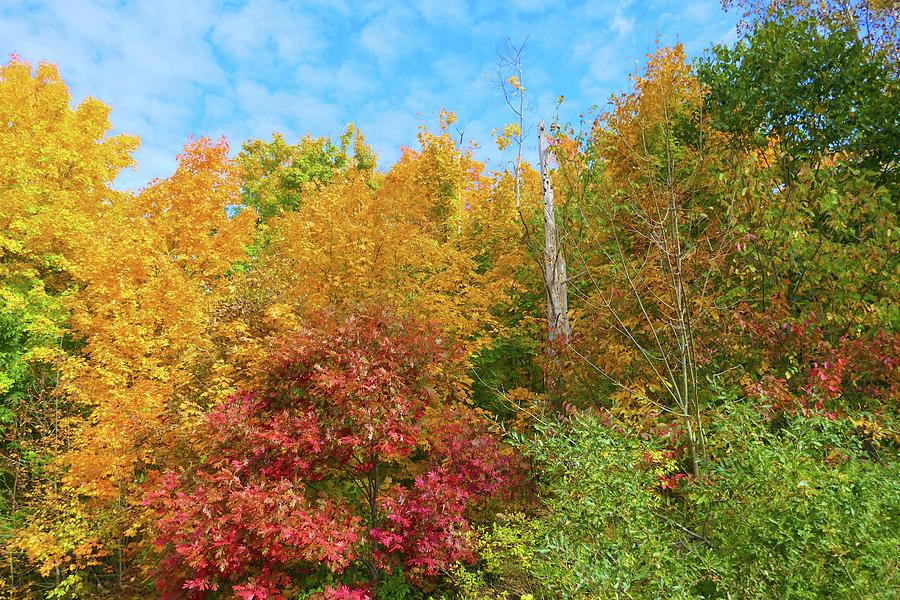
x=244 y=69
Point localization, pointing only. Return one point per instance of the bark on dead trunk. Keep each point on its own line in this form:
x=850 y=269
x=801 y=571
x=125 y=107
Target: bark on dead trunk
x=555 y=276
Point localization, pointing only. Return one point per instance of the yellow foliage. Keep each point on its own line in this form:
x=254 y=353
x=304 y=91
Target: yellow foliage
x=403 y=243
x=61 y=536
x=149 y=284
x=55 y=162
x=666 y=88
x=515 y=83
x=167 y=313
x=630 y=309
x=510 y=132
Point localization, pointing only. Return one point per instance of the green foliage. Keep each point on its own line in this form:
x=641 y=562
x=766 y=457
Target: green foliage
x=810 y=84
x=509 y=362
x=393 y=586
x=69 y=588
x=796 y=508
x=275 y=172
x=599 y=533
x=792 y=508
x=827 y=245
x=31 y=333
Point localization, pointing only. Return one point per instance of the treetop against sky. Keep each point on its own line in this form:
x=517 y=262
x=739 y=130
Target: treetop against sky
x=245 y=69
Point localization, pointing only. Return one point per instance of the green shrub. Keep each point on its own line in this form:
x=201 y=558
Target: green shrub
x=794 y=508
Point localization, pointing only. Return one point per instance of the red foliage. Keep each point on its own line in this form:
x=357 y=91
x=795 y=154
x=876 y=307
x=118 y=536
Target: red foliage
x=670 y=482
x=829 y=366
x=425 y=528
x=294 y=481
x=865 y=366
x=344 y=592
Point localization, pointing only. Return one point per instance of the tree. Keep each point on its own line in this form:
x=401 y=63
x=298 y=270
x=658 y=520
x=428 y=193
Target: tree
x=810 y=136
x=875 y=21
x=396 y=242
x=275 y=173
x=57 y=164
x=146 y=275
x=649 y=240
x=555 y=273
x=511 y=81
x=814 y=86
x=352 y=456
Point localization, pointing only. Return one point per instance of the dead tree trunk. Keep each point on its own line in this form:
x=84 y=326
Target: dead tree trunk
x=555 y=276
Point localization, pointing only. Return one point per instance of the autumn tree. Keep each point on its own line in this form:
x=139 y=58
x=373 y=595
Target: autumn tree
x=395 y=238
x=353 y=456
x=741 y=237
x=645 y=242
x=146 y=276
x=275 y=173
x=812 y=144
x=56 y=167
x=436 y=236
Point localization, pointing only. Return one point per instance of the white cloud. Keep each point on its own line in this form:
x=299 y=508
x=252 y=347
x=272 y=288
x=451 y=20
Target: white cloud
x=443 y=13
x=143 y=61
x=391 y=35
x=171 y=69
x=621 y=24
x=267 y=29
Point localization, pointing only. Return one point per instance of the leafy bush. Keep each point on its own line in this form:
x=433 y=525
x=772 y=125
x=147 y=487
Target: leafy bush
x=793 y=508
x=796 y=509
x=600 y=531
